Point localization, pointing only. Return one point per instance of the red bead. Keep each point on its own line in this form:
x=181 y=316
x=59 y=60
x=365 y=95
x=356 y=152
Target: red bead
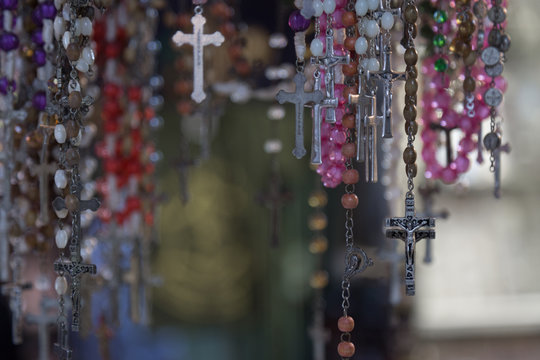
x=346 y=349
x=349 y=201
x=350 y=176
x=345 y=324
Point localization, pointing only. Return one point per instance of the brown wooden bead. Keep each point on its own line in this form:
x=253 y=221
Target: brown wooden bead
x=30 y=218
x=469 y=84
x=411 y=87
x=411 y=169
x=350 y=176
x=411 y=127
x=345 y=324
x=348 y=18
x=345 y=349
x=72 y=157
x=349 y=121
x=349 y=90
x=75 y=99
x=348 y=150
x=409 y=155
x=412 y=72
x=409 y=112
x=350 y=42
x=470 y=59
x=410 y=14
x=410 y=56
x=72 y=128
x=349 y=201
x=350 y=69
x=73 y=52
x=414 y=31
x=72 y=203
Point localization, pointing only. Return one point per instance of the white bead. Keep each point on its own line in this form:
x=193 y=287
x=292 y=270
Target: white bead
x=60 y=133
x=59 y=27
x=373 y=65
x=372 y=28
x=387 y=21
x=66 y=12
x=76 y=141
x=86 y=26
x=361 y=45
x=88 y=55
x=66 y=39
x=361 y=7
x=77 y=27
x=318 y=7
x=316 y=47
x=61 y=239
x=61 y=214
x=60 y=179
x=364 y=63
x=58 y=4
x=373 y=4
x=47 y=31
x=82 y=66
x=60 y=285
x=329 y=6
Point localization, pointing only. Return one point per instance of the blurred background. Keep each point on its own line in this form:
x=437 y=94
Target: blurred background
x=226 y=292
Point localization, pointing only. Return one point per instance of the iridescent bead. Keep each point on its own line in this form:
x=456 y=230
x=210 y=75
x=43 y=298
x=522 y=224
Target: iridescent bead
x=61 y=238
x=441 y=65
x=60 y=285
x=9 y=41
x=439 y=40
x=440 y=16
x=297 y=22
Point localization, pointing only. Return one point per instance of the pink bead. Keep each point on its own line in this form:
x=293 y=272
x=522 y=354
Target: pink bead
x=501 y=83
x=441 y=100
x=433 y=170
x=429 y=136
x=439 y=81
x=338 y=136
x=466 y=145
x=449 y=119
x=428 y=154
x=462 y=163
x=448 y=175
x=338 y=15
x=340 y=4
x=336 y=156
x=482 y=111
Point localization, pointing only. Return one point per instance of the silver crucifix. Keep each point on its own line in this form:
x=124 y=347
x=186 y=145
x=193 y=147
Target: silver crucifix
x=388 y=77
x=61 y=348
x=198 y=40
x=316 y=156
x=410 y=229
x=299 y=98
x=329 y=62
x=497 y=167
x=43 y=170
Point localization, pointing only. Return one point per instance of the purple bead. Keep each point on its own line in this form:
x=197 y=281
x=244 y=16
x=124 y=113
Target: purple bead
x=37 y=37
x=48 y=11
x=40 y=100
x=5 y=85
x=297 y=22
x=37 y=16
x=8 y=41
x=8 y=4
x=40 y=57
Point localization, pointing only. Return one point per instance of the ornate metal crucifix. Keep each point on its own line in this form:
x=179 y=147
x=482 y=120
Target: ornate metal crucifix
x=329 y=62
x=299 y=98
x=388 y=77
x=410 y=229
x=198 y=40
x=316 y=156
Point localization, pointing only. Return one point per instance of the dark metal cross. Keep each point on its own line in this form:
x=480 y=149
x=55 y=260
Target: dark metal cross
x=74 y=270
x=14 y=290
x=410 y=229
x=61 y=348
x=388 y=77
x=329 y=62
x=43 y=170
x=299 y=98
x=427 y=192
x=448 y=142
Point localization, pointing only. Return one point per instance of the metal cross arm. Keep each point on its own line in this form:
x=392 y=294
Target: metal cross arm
x=92 y=204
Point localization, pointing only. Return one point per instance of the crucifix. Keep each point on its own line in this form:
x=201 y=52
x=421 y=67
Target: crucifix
x=448 y=143
x=318 y=333
x=61 y=348
x=394 y=258
x=497 y=167
x=316 y=156
x=198 y=40
x=410 y=229
x=427 y=192
x=274 y=199
x=74 y=267
x=329 y=62
x=43 y=322
x=7 y=119
x=299 y=98
x=14 y=291
x=388 y=77
x=43 y=170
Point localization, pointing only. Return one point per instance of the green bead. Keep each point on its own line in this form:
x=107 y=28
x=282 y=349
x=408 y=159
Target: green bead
x=440 y=16
x=439 y=40
x=441 y=65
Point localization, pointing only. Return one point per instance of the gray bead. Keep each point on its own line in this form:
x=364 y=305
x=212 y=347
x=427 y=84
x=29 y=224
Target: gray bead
x=497 y=14
x=492 y=141
x=493 y=97
x=494 y=37
x=490 y=55
x=480 y=9
x=494 y=70
x=505 y=43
